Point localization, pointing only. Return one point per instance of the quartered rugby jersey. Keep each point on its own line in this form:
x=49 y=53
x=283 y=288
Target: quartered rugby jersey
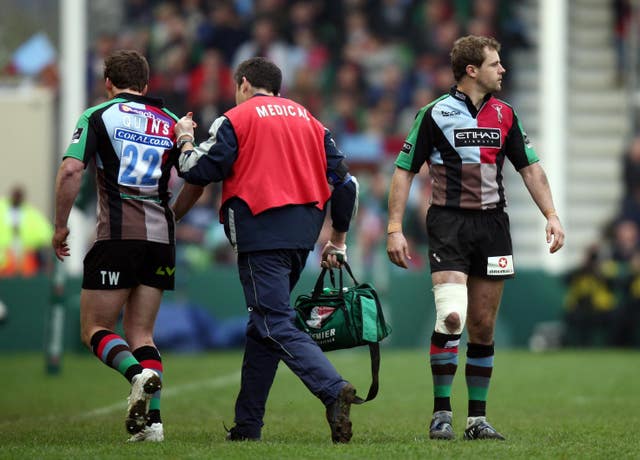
x=132 y=140
x=465 y=149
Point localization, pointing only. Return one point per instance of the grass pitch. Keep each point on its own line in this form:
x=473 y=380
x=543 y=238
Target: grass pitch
x=559 y=405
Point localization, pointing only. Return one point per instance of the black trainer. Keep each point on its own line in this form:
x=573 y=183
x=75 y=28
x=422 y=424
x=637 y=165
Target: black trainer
x=338 y=415
x=440 y=427
x=234 y=434
x=481 y=429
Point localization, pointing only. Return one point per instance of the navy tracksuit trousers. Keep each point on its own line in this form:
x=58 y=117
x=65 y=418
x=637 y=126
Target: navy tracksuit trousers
x=268 y=277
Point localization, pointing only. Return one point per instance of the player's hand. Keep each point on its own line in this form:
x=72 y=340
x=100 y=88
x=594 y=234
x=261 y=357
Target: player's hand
x=555 y=234
x=185 y=126
x=333 y=255
x=59 y=243
x=398 y=249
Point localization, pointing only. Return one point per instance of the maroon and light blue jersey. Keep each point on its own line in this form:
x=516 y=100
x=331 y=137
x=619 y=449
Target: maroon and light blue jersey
x=465 y=149
x=132 y=141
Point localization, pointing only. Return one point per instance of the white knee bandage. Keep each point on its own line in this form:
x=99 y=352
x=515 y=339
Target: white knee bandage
x=450 y=298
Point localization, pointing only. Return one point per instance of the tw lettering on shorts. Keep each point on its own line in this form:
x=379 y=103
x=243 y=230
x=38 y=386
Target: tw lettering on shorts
x=110 y=278
x=500 y=265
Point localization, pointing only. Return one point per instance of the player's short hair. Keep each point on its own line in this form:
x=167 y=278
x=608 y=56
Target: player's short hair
x=127 y=69
x=261 y=73
x=469 y=50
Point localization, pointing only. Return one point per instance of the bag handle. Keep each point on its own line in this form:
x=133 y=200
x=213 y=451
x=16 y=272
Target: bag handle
x=317 y=289
x=348 y=268
x=319 y=286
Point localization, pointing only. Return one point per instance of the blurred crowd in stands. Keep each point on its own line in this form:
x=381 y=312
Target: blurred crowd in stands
x=603 y=297
x=25 y=236
x=364 y=68
x=602 y=306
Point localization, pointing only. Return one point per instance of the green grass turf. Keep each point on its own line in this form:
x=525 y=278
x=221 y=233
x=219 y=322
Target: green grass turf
x=561 y=405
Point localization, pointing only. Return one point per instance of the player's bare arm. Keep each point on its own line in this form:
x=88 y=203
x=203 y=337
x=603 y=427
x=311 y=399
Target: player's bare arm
x=397 y=247
x=187 y=197
x=68 y=183
x=536 y=182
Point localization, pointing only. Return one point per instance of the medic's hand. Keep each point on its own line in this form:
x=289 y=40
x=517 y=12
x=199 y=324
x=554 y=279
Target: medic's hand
x=333 y=256
x=185 y=126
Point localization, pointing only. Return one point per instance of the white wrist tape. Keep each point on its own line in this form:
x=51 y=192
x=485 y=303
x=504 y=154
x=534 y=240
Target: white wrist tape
x=339 y=252
x=450 y=298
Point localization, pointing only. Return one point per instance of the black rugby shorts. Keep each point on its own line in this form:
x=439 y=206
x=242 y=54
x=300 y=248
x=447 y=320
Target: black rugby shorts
x=477 y=243
x=122 y=264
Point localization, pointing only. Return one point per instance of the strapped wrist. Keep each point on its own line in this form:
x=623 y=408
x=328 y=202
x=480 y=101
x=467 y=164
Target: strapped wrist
x=181 y=135
x=180 y=142
x=394 y=227
x=337 y=248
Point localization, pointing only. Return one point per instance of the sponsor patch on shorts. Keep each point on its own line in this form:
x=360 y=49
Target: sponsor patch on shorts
x=500 y=265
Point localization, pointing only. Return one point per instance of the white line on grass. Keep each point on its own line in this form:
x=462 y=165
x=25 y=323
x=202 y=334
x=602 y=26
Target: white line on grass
x=217 y=382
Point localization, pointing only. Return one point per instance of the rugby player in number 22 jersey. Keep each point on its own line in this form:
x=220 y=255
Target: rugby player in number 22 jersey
x=132 y=142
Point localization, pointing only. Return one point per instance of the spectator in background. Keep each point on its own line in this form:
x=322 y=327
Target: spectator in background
x=427 y=17
x=267 y=42
x=622 y=262
x=25 y=234
x=191 y=251
x=344 y=115
x=371 y=219
x=222 y=31
x=421 y=96
x=103 y=46
x=210 y=88
x=622 y=17
x=631 y=171
x=590 y=303
x=391 y=18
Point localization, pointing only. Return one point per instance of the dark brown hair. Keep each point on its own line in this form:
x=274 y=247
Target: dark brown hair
x=261 y=73
x=127 y=69
x=469 y=50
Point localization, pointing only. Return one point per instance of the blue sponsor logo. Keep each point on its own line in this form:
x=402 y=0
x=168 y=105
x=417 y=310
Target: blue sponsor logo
x=142 y=138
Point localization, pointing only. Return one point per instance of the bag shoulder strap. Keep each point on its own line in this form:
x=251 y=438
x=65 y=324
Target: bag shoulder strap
x=374 y=352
